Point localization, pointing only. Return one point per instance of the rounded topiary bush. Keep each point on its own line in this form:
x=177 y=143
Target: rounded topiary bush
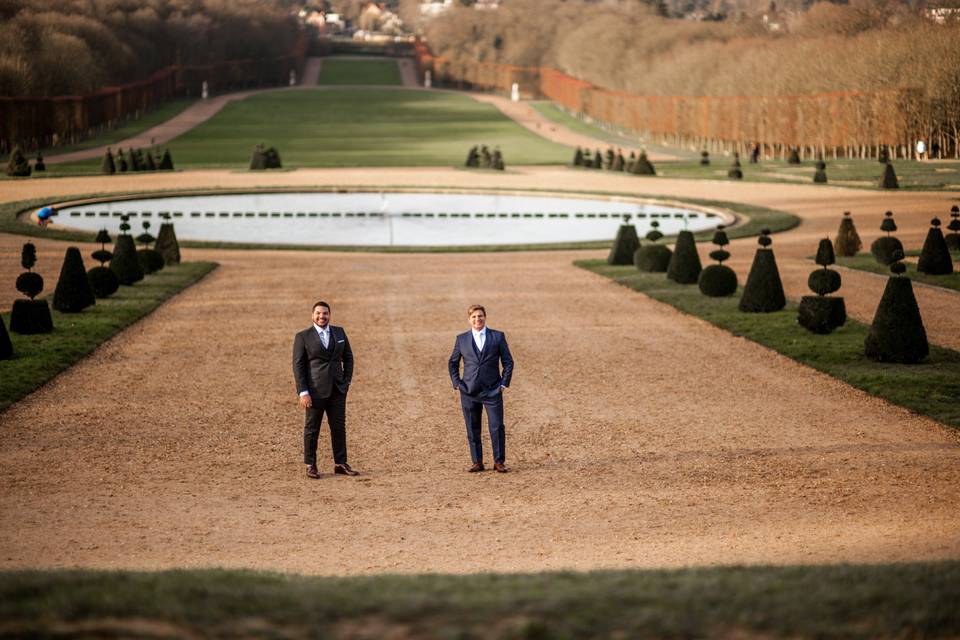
x=885 y=247
x=38 y=164
x=652 y=257
x=704 y=158
x=735 y=172
x=258 y=160
x=935 y=257
x=31 y=316
x=763 y=292
x=625 y=244
x=820 y=175
x=6 y=347
x=150 y=259
x=889 y=178
x=73 y=293
x=822 y=313
x=684 y=267
x=794 y=156
x=103 y=281
x=18 y=166
x=847 y=242
x=125 y=263
x=953 y=238
x=718 y=280
x=897 y=333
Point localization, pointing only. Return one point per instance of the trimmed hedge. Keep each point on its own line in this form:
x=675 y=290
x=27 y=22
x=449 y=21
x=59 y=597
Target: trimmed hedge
x=897 y=333
x=847 y=242
x=717 y=281
x=820 y=175
x=652 y=258
x=107 y=166
x=73 y=293
x=763 y=292
x=735 y=173
x=935 y=257
x=821 y=314
x=889 y=178
x=30 y=317
x=125 y=263
x=18 y=166
x=953 y=238
x=150 y=260
x=885 y=248
x=6 y=347
x=167 y=244
x=624 y=246
x=103 y=281
x=684 y=267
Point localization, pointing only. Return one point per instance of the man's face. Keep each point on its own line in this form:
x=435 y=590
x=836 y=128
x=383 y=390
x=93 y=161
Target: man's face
x=321 y=316
x=478 y=320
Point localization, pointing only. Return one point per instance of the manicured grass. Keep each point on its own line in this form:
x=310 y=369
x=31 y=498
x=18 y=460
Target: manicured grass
x=930 y=388
x=38 y=358
x=356 y=128
x=336 y=71
x=866 y=262
x=843 y=601
x=759 y=218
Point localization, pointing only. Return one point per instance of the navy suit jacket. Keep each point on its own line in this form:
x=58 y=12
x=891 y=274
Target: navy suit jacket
x=482 y=376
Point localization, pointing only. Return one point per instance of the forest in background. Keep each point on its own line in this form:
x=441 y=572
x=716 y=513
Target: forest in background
x=71 y=47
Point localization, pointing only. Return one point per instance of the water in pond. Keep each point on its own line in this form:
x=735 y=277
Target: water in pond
x=380 y=219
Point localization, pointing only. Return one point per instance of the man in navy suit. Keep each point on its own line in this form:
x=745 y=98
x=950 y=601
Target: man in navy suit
x=322 y=370
x=481 y=386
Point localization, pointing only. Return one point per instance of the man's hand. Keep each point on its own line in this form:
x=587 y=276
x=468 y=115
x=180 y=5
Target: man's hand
x=305 y=401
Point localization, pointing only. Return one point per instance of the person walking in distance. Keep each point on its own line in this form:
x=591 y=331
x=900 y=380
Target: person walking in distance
x=483 y=350
x=322 y=370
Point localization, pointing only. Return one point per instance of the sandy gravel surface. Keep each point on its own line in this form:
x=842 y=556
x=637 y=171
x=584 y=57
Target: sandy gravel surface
x=639 y=437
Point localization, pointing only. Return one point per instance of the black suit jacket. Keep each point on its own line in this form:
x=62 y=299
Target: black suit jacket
x=481 y=369
x=316 y=369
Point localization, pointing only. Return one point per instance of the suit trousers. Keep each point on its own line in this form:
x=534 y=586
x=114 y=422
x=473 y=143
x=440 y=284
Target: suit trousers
x=336 y=409
x=473 y=407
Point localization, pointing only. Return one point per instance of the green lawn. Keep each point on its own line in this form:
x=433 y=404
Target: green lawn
x=355 y=128
x=336 y=71
x=40 y=357
x=844 y=601
x=930 y=388
x=866 y=262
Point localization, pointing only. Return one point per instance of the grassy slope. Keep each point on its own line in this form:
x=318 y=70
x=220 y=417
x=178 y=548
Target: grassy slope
x=355 y=128
x=906 y=600
x=39 y=358
x=380 y=72
x=866 y=262
x=931 y=388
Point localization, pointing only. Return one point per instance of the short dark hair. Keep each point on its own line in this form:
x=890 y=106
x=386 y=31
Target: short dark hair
x=320 y=303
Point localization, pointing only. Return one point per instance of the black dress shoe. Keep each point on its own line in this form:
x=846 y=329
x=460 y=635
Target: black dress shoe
x=477 y=467
x=312 y=471
x=344 y=470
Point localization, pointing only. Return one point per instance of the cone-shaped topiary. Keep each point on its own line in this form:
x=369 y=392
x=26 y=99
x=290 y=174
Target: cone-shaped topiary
x=258 y=161
x=31 y=316
x=625 y=244
x=718 y=280
x=684 y=267
x=597 y=160
x=107 y=166
x=652 y=258
x=935 y=257
x=149 y=163
x=794 y=156
x=735 y=173
x=820 y=175
x=889 y=178
x=150 y=259
x=121 y=161
x=608 y=158
x=166 y=163
x=822 y=313
x=486 y=158
x=704 y=157
x=497 y=162
x=897 y=333
x=73 y=293
x=884 y=247
x=763 y=292
x=39 y=164
x=847 y=242
x=577 y=158
x=18 y=166
x=643 y=166
x=6 y=347
x=271 y=158
x=167 y=244
x=617 y=162
x=125 y=263
x=953 y=238
x=135 y=164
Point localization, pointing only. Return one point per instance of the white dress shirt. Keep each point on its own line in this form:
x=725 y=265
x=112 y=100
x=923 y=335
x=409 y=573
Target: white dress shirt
x=479 y=338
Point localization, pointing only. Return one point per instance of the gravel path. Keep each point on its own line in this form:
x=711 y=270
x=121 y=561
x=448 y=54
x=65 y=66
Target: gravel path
x=639 y=437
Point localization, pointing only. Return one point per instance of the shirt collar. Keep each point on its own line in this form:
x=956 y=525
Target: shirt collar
x=319 y=329
x=482 y=332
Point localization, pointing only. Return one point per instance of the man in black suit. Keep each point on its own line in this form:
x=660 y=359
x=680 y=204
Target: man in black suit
x=481 y=386
x=322 y=370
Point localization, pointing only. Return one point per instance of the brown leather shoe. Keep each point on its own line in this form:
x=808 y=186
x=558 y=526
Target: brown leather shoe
x=499 y=467
x=344 y=470
x=312 y=471
x=477 y=467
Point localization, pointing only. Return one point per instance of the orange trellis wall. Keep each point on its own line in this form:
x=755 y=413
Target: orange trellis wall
x=842 y=123
x=47 y=122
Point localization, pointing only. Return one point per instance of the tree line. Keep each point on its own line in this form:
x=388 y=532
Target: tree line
x=72 y=47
